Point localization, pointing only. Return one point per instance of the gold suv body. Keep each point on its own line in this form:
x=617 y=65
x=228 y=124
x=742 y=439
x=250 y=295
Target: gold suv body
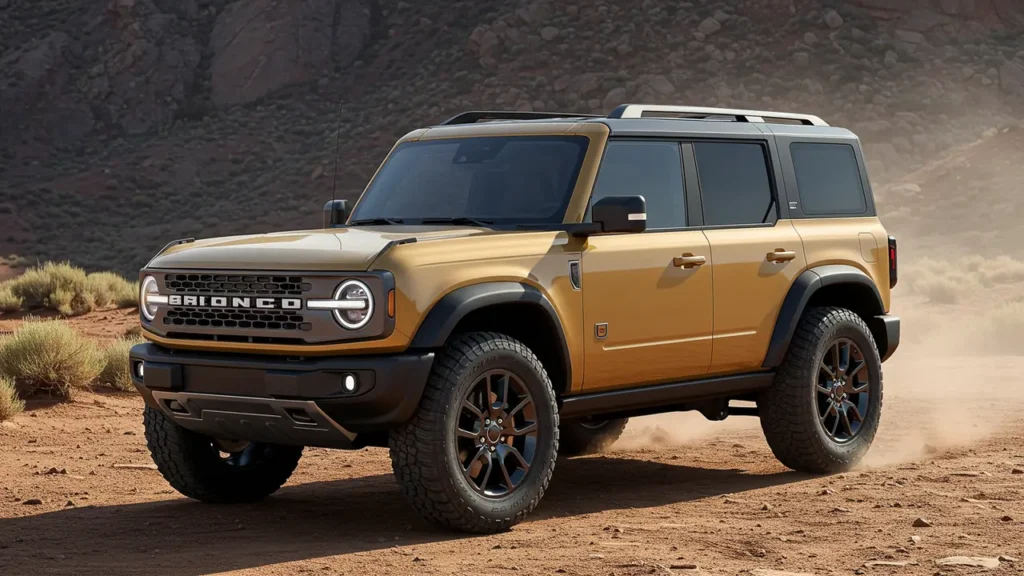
x=656 y=259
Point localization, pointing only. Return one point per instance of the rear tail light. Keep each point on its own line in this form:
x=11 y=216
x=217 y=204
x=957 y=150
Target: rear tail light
x=893 y=268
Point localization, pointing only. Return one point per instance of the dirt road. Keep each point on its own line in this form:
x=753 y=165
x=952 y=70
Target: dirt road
x=674 y=493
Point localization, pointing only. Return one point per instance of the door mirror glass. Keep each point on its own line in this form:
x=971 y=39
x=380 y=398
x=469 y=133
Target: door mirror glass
x=335 y=213
x=620 y=214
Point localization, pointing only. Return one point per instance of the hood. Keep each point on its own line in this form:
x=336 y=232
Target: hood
x=338 y=249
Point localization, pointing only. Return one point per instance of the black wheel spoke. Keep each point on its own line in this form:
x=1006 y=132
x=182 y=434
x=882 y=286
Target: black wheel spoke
x=824 y=390
x=504 y=391
x=835 y=426
x=856 y=413
x=522 y=461
x=466 y=470
x=466 y=404
x=828 y=410
x=528 y=429
x=835 y=358
x=846 y=420
x=519 y=407
x=504 y=472
x=855 y=389
x=829 y=371
x=463 y=433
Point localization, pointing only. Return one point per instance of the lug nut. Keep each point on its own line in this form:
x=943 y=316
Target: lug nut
x=503 y=439
x=487 y=421
x=493 y=448
x=499 y=420
x=481 y=439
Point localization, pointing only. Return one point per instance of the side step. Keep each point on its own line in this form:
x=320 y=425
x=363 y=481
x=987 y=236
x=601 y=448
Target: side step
x=672 y=397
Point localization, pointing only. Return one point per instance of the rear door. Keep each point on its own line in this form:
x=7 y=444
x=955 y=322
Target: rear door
x=756 y=254
x=647 y=311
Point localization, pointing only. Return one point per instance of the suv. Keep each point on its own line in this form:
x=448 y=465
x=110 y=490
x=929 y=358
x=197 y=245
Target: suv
x=515 y=285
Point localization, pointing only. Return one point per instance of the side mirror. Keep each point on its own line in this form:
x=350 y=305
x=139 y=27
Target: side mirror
x=335 y=213
x=620 y=214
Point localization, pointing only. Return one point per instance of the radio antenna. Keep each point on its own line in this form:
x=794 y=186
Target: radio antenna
x=334 y=178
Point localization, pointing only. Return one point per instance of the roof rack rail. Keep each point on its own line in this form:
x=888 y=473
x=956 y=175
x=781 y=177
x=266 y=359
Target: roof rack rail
x=700 y=113
x=475 y=116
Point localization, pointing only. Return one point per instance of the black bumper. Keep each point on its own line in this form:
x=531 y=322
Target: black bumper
x=889 y=328
x=277 y=399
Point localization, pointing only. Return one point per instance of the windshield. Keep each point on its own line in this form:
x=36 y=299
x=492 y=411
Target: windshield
x=489 y=180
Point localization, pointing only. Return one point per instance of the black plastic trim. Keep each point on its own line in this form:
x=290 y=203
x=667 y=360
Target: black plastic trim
x=800 y=293
x=664 y=397
x=889 y=328
x=437 y=327
x=390 y=385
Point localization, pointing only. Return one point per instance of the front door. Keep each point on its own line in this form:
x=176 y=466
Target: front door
x=647 y=298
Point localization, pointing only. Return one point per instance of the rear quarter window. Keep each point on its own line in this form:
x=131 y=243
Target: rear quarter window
x=828 y=179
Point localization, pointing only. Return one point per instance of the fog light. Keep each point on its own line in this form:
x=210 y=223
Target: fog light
x=140 y=370
x=350 y=383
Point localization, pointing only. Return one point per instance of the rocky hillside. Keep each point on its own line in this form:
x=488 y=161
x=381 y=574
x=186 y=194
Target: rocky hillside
x=127 y=123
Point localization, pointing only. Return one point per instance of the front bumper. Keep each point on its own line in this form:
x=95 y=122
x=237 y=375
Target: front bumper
x=281 y=400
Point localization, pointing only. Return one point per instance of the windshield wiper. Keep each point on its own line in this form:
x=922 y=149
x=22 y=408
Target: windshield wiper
x=459 y=221
x=376 y=221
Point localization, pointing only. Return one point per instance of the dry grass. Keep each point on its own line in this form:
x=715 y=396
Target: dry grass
x=116 y=372
x=108 y=288
x=66 y=289
x=49 y=357
x=9 y=302
x=10 y=404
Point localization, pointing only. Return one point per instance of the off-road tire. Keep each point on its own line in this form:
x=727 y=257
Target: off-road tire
x=579 y=437
x=788 y=409
x=194 y=468
x=422 y=451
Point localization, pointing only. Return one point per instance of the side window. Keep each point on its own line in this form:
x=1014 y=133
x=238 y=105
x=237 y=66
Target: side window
x=650 y=169
x=734 y=184
x=828 y=179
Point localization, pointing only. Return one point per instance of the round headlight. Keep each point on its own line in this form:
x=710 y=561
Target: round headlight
x=357 y=303
x=148 y=289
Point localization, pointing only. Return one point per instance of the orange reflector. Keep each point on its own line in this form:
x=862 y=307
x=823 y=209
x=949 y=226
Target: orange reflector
x=391 y=304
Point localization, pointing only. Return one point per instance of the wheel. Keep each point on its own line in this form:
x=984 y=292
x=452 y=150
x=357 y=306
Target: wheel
x=479 y=452
x=821 y=413
x=218 y=471
x=589 y=436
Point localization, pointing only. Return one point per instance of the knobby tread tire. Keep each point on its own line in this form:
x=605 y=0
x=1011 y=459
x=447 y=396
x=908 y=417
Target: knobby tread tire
x=418 y=452
x=788 y=409
x=188 y=463
x=577 y=440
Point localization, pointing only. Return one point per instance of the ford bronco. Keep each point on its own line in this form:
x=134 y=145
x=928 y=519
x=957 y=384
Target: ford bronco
x=512 y=286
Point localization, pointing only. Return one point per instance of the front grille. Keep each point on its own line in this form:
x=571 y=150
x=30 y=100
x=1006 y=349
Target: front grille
x=237 y=284
x=236 y=318
x=236 y=338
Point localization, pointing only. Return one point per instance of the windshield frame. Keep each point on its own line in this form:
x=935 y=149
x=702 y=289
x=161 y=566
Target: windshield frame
x=572 y=205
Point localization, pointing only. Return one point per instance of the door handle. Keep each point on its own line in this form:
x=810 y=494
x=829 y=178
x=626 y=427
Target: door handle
x=688 y=261
x=781 y=255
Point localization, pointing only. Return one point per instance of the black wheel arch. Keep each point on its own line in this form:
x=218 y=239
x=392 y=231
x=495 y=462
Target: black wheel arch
x=840 y=285
x=512 y=308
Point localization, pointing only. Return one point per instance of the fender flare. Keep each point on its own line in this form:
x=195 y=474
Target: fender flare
x=446 y=314
x=800 y=293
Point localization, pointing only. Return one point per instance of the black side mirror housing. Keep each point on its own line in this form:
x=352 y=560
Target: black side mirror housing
x=620 y=214
x=335 y=213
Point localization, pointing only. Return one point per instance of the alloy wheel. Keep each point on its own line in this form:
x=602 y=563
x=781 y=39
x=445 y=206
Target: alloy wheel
x=842 y=390
x=496 y=433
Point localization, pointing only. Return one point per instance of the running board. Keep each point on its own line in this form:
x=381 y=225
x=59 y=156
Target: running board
x=660 y=398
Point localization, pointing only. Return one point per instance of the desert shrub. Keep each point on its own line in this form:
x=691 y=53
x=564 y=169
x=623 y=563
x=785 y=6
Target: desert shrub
x=57 y=286
x=116 y=371
x=69 y=303
x=133 y=332
x=9 y=302
x=49 y=357
x=109 y=288
x=10 y=404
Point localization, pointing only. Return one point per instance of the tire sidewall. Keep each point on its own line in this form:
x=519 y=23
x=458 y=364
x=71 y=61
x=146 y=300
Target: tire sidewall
x=855 y=449
x=539 y=388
